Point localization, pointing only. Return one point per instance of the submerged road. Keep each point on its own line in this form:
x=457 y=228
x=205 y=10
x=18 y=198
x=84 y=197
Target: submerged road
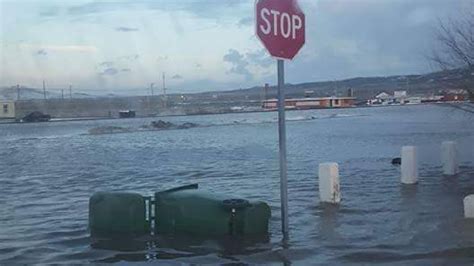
x=49 y=171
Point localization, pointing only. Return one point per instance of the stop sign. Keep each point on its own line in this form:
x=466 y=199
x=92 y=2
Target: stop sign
x=280 y=26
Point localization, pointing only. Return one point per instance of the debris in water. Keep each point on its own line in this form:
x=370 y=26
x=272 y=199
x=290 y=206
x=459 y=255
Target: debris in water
x=160 y=124
x=108 y=130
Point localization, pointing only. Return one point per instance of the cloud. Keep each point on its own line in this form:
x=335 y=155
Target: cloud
x=177 y=76
x=41 y=52
x=251 y=65
x=345 y=38
x=162 y=58
x=106 y=64
x=210 y=9
x=94 y=7
x=239 y=63
x=203 y=9
x=131 y=57
x=125 y=70
x=260 y=58
x=61 y=48
x=52 y=12
x=126 y=29
x=109 y=72
x=244 y=22
x=175 y=20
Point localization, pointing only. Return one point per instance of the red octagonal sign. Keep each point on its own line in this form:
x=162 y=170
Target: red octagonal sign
x=280 y=25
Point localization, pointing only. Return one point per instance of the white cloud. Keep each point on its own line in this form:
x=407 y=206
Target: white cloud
x=60 y=48
x=345 y=38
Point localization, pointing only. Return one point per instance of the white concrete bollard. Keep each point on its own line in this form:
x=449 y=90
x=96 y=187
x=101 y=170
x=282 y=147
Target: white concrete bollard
x=409 y=165
x=329 y=189
x=449 y=157
x=469 y=206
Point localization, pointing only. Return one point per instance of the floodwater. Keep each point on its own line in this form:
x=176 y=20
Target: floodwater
x=48 y=171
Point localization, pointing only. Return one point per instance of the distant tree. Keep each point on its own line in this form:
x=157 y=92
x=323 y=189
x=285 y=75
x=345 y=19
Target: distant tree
x=455 y=47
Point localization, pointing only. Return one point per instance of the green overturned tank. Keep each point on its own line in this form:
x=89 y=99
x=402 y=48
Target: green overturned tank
x=117 y=214
x=189 y=211
x=183 y=210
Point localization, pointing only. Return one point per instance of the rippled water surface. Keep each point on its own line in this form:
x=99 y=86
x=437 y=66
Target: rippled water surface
x=48 y=171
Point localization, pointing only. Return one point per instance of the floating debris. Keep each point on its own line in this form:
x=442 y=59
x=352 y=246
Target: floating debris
x=108 y=130
x=153 y=126
x=397 y=161
x=160 y=124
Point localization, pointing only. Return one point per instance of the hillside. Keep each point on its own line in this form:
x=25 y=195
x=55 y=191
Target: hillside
x=25 y=93
x=362 y=87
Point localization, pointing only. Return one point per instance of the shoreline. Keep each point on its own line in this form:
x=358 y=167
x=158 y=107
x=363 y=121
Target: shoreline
x=73 y=119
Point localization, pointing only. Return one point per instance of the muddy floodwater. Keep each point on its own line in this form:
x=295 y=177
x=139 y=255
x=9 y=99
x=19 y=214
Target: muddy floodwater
x=48 y=171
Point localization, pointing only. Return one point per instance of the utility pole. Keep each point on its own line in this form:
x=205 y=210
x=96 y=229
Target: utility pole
x=164 y=84
x=44 y=90
x=151 y=88
x=407 y=83
x=164 y=91
x=18 y=92
x=62 y=94
x=70 y=91
x=265 y=91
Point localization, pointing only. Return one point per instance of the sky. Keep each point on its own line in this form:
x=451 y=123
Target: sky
x=201 y=45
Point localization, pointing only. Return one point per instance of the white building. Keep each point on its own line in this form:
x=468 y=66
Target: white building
x=7 y=109
x=399 y=94
x=383 y=96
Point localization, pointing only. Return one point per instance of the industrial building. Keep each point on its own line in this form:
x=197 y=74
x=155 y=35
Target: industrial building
x=311 y=103
x=7 y=110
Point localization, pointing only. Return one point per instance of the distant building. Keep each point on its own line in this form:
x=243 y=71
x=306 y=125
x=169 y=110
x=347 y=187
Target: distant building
x=452 y=97
x=383 y=96
x=7 y=109
x=308 y=93
x=399 y=94
x=413 y=100
x=455 y=95
x=311 y=103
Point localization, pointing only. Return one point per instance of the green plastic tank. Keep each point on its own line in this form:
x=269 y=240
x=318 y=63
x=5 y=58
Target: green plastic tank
x=117 y=214
x=189 y=211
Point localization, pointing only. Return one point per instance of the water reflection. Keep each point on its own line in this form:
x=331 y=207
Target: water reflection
x=179 y=247
x=408 y=194
x=329 y=221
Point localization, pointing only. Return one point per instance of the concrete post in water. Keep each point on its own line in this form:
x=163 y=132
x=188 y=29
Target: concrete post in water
x=409 y=165
x=469 y=206
x=329 y=189
x=449 y=157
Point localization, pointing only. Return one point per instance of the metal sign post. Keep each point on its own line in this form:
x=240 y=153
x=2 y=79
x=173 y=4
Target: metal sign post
x=280 y=26
x=282 y=148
